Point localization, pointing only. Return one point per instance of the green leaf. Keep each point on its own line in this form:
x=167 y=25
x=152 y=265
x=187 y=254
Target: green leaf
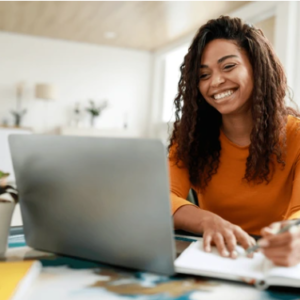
x=3 y=175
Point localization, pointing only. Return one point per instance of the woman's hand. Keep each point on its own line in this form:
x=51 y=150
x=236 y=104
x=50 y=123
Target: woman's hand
x=282 y=249
x=215 y=230
x=224 y=235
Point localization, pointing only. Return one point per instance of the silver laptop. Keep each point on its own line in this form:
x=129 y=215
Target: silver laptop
x=103 y=199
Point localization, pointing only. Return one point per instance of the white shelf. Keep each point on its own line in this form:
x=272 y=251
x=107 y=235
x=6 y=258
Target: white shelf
x=105 y=132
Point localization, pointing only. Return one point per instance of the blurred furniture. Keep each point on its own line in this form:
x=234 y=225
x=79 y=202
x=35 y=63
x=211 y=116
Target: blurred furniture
x=6 y=162
x=45 y=92
x=192 y=197
x=105 y=132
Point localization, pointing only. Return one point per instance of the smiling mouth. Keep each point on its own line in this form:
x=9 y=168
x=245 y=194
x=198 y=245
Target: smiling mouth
x=224 y=95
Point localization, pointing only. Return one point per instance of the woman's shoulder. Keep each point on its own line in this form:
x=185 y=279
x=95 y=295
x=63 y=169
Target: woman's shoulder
x=293 y=126
x=173 y=152
x=293 y=136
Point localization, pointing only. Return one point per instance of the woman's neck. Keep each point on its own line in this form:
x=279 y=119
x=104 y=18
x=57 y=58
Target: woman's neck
x=238 y=128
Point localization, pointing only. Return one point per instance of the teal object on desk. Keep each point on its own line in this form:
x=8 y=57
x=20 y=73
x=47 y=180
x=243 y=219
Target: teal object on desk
x=16 y=241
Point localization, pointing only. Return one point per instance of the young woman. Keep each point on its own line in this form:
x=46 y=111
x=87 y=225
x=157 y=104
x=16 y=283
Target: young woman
x=235 y=143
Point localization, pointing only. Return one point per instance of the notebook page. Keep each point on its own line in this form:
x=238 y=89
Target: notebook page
x=287 y=272
x=194 y=258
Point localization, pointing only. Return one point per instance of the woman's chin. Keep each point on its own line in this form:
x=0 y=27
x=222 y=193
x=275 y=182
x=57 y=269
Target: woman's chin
x=225 y=110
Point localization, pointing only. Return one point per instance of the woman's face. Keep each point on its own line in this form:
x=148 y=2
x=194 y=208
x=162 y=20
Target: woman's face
x=226 y=77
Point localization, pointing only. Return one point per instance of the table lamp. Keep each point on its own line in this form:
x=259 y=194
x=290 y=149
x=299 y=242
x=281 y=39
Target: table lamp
x=45 y=92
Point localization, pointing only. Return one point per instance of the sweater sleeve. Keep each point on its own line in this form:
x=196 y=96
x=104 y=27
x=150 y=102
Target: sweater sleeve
x=293 y=211
x=179 y=183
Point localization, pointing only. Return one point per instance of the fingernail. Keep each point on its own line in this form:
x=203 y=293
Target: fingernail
x=294 y=229
x=234 y=254
x=263 y=243
x=275 y=227
x=207 y=249
x=225 y=253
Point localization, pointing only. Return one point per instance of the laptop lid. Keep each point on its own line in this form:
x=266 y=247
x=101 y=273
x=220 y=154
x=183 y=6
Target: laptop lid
x=103 y=199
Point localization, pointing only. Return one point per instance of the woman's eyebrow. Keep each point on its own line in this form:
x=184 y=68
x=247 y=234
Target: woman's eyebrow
x=219 y=60
x=226 y=57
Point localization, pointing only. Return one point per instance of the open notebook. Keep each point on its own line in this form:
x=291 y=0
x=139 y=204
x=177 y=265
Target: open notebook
x=258 y=270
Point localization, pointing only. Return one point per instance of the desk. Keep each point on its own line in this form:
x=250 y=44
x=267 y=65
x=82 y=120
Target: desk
x=71 y=278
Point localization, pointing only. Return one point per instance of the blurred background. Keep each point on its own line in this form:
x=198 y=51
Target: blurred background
x=111 y=68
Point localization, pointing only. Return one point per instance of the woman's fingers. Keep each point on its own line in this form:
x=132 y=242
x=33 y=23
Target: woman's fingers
x=283 y=262
x=207 y=238
x=272 y=229
x=231 y=242
x=281 y=258
x=224 y=235
x=280 y=239
x=252 y=243
x=218 y=240
x=286 y=254
x=282 y=248
x=220 y=244
x=226 y=242
x=280 y=251
x=243 y=238
x=267 y=231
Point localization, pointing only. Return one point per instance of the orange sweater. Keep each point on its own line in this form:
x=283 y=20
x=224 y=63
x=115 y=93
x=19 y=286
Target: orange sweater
x=248 y=205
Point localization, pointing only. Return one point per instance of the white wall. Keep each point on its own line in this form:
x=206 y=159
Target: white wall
x=79 y=71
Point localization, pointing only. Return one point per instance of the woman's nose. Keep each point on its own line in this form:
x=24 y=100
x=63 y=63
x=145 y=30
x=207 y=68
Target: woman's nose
x=217 y=79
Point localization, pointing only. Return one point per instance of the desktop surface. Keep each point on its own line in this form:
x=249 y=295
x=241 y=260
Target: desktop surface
x=65 y=277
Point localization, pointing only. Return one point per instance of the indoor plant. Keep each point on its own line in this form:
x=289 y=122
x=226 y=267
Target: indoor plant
x=19 y=113
x=95 y=111
x=8 y=200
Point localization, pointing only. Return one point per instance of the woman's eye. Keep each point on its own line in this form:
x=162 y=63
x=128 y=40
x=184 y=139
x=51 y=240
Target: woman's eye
x=203 y=76
x=227 y=67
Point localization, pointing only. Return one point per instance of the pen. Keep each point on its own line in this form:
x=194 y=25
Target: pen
x=282 y=230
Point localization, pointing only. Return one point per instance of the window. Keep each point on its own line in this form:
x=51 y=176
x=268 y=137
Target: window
x=173 y=61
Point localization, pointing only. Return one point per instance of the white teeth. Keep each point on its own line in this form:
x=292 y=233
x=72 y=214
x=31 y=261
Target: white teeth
x=222 y=95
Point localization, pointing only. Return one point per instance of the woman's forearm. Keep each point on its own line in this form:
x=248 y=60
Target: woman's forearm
x=190 y=218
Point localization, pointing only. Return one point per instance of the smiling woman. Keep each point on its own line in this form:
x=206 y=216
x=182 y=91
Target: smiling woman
x=235 y=143
x=226 y=77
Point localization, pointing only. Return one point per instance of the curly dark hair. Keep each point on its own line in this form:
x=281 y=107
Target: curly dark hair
x=197 y=125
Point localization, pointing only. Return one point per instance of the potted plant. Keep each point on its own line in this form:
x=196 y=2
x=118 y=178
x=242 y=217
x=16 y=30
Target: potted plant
x=8 y=200
x=95 y=111
x=19 y=113
x=18 y=116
